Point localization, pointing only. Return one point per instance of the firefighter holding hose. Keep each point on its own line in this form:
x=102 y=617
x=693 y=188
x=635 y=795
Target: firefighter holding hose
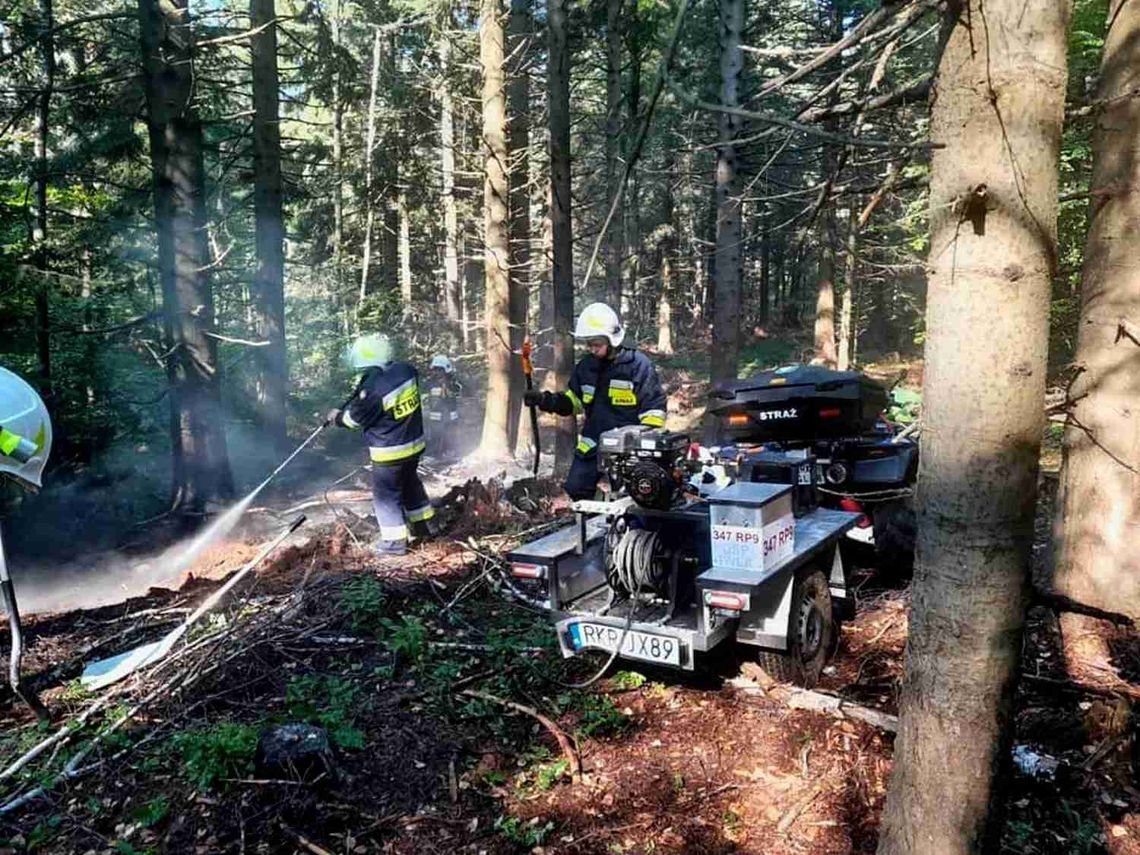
x=25 y=443
x=386 y=409
x=613 y=385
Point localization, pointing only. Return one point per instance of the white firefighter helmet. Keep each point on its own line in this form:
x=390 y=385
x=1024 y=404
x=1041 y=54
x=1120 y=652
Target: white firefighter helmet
x=370 y=350
x=599 y=321
x=441 y=361
x=25 y=430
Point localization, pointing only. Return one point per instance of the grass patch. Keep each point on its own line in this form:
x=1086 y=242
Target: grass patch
x=212 y=754
x=328 y=702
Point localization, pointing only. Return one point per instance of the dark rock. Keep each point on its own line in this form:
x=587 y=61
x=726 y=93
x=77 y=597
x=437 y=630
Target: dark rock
x=295 y=752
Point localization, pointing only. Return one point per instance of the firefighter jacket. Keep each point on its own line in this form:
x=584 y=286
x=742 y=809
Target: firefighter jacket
x=442 y=399
x=612 y=393
x=386 y=407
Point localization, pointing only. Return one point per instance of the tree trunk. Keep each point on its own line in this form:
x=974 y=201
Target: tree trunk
x=1098 y=506
x=201 y=466
x=630 y=221
x=340 y=297
x=726 y=314
x=40 y=221
x=558 y=80
x=993 y=206
x=496 y=259
x=519 y=145
x=405 y=250
x=667 y=248
x=614 y=239
x=824 y=331
x=850 y=267
x=765 y=272
x=450 y=217
x=269 y=227
x=545 y=350
x=370 y=170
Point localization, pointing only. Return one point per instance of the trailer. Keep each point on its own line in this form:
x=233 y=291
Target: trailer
x=668 y=584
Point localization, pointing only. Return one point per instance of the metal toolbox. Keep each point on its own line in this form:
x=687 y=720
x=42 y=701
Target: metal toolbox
x=751 y=527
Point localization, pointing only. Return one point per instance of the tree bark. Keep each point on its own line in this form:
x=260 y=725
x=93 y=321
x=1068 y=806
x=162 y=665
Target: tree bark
x=201 y=465
x=726 y=313
x=997 y=119
x=269 y=227
x=40 y=220
x=340 y=296
x=519 y=146
x=558 y=79
x=615 y=237
x=496 y=258
x=1098 y=506
x=850 y=268
x=451 y=287
x=630 y=221
x=405 y=250
x=370 y=170
x=824 y=330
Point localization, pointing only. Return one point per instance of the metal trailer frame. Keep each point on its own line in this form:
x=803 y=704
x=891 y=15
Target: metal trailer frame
x=567 y=578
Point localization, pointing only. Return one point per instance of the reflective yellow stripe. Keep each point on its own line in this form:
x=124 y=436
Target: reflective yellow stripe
x=349 y=422
x=652 y=421
x=9 y=441
x=586 y=445
x=420 y=514
x=623 y=397
x=394 y=532
x=404 y=401
x=574 y=401
x=392 y=453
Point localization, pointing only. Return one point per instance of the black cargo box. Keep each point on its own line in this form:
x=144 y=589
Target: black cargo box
x=798 y=402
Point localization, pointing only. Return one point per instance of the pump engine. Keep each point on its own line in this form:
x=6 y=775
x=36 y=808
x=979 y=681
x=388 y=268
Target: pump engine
x=649 y=464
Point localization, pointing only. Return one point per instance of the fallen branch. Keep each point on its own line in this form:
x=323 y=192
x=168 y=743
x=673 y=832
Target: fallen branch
x=306 y=843
x=563 y=740
x=805 y=699
x=796 y=810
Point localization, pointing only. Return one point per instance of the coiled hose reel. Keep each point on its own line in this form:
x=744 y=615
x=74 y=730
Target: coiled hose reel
x=636 y=560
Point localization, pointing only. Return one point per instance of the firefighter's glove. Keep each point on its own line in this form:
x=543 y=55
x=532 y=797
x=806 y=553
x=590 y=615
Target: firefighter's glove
x=333 y=417
x=535 y=398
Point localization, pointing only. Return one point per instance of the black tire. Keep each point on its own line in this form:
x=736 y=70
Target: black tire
x=811 y=633
x=895 y=529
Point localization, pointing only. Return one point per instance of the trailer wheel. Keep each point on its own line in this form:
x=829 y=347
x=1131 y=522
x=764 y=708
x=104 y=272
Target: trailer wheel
x=811 y=633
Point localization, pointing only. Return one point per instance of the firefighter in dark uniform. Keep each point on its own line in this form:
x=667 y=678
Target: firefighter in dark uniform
x=442 y=406
x=613 y=385
x=386 y=408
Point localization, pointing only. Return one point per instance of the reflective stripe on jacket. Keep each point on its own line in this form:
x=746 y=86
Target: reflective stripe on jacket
x=615 y=392
x=386 y=408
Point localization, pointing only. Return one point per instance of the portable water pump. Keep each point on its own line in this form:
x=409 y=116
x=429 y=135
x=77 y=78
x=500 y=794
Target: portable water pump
x=647 y=463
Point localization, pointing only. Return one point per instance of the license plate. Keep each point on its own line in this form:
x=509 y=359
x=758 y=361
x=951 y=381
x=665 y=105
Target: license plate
x=637 y=645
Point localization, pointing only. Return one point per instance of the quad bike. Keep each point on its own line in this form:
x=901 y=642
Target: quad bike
x=863 y=463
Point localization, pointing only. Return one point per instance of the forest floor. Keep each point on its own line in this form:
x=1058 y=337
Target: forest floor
x=408 y=664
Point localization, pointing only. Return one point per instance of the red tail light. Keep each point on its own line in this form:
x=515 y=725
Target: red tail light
x=725 y=600
x=830 y=413
x=849 y=504
x=528 y=571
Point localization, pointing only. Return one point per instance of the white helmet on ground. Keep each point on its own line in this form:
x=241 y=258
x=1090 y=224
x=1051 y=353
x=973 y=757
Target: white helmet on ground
x=25 y=430
x=600 y=321
x=441 y=361
x=370 y=350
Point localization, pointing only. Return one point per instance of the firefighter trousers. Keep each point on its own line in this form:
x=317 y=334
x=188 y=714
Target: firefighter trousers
x=399 y=499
